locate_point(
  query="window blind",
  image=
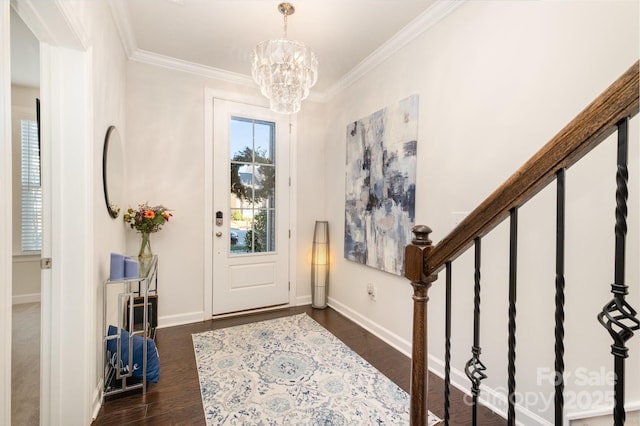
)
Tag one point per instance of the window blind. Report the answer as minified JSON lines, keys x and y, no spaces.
{"x":31,"y":206}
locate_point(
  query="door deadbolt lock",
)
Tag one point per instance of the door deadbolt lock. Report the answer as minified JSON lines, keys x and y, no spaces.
{"x":218,"y":218}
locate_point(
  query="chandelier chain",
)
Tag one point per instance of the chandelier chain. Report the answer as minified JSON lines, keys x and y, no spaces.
{"x":285,"y":25}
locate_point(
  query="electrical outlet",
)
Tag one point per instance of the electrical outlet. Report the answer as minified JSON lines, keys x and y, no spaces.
{"x":371,"y":291}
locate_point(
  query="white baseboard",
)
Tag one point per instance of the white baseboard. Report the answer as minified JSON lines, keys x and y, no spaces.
{"x":497,"y":402}
{"x":489,"y":397}
{"x":96,"y":401}
{"x":191,"y":317}
{"x":303,"y":300}
{"x":181,"y":319}
{"x":387,"y":336}
{"x":604,"y":416}
{"x":25,"y":298}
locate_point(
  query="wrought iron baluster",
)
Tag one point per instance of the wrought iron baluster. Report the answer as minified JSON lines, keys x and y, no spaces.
{"x":474,"y":368}
{"x":447,"y":345}
{"x":511,"y":368}
{"x":617,"y":316}
{"x":560,"y":285}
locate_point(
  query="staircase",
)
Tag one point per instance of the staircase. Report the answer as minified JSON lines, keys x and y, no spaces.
{"x":607,"y":115}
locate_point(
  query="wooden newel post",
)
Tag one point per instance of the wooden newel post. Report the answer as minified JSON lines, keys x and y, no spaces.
{"x":415,"y":267}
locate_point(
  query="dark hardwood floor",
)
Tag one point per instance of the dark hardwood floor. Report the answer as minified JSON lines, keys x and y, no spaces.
{"x":175,"y":399}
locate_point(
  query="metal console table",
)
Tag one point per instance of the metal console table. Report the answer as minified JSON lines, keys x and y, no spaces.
{"x":131,"y":293}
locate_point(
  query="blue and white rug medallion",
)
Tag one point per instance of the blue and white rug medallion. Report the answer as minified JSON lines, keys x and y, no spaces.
{"x":292,"y":371}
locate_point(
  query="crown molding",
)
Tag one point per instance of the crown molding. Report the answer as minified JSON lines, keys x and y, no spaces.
{"x":123,"y":25}
{"x":200,"y":70}
{"x":53,"y":22}
{"x":128,"y":39}
{"x":190,"y":67}
{"x":74,"y":23}
{"x":434,"y":14}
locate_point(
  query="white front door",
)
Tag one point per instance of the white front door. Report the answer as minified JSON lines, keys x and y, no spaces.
{"x":250,"y":207}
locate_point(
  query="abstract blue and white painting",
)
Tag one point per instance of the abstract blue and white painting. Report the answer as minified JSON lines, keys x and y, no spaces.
{"x":381,"y":186}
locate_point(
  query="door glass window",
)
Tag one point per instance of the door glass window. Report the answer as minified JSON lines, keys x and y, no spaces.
{"x":253,"y":183}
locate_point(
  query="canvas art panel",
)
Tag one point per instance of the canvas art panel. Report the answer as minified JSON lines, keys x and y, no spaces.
{"x":381,"y":186}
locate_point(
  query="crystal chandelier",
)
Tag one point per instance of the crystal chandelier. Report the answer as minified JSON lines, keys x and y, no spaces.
{"x":284,"y":69}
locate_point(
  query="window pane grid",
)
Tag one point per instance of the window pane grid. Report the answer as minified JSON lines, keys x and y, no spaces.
{"x":252,"y":208}
{"x":31,"y":191}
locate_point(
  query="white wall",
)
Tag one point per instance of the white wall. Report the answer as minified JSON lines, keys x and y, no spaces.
{"x":631,"y":419}
{"x":496,"y":81}
{"x":165,"y":166}
{"x":165,"y":163}
{"x":109,"y":87}
{"x":83,"y":63}
{"x":311,"y":190}
{"x":6,"y":251}
{"x":23,"y":107}
{"x":26,"y":268}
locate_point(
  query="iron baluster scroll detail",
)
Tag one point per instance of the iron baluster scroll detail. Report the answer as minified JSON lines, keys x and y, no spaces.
{"x":474,"y":369}
{"x":415,"y":266}
{"x":617,"y":316}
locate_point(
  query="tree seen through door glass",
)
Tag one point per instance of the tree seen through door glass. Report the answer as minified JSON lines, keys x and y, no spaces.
{"x":252,"y":203}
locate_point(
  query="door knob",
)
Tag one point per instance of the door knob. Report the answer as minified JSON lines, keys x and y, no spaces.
{"x":218,"y":234}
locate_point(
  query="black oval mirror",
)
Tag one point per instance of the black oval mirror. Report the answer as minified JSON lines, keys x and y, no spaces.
{"x":113,"y":171}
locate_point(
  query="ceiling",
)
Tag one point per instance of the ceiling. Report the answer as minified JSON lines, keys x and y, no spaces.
{"x":215,"y":37}
{"x":25,"y":54}
{"x":219,"y":35}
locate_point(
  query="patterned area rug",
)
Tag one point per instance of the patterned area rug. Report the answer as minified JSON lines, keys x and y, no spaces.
{"x":292,"y":371}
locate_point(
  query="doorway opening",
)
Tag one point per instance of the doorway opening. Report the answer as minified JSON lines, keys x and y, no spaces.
{"x":27,"y":224}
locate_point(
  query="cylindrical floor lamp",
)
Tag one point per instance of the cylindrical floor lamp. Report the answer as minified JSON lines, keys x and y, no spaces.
{"x":320,"y":265}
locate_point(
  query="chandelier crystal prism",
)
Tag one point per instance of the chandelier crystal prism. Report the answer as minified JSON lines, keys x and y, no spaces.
{"x":284,"y":69}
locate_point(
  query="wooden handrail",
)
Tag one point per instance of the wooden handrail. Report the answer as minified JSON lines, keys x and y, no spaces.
{"x":593,"y":125}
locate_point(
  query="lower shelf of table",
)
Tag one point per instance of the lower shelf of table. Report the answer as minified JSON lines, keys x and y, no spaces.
{"x":114,"y":385}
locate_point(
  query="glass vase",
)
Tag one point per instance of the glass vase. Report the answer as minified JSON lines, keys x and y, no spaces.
{"x":145,"y":247}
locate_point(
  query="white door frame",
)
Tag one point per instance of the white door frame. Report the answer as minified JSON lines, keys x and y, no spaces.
{"x":209,"y":96}
{"x":6,"y":248}
{"x":68,"y":289}
{"x":67,"y":295}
